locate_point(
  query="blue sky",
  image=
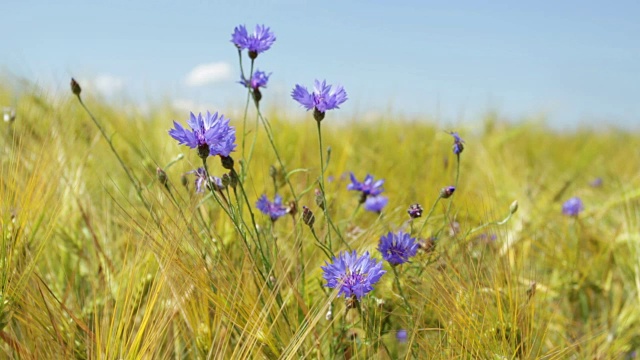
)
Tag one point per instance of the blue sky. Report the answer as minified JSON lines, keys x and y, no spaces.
{"x":574,"y":61}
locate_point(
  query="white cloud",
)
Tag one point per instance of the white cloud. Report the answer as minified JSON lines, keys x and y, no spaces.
{"x":208,"y":73}
{"x":108,"y":84}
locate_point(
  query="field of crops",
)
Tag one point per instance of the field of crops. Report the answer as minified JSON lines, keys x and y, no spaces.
{"x":127,"y":236}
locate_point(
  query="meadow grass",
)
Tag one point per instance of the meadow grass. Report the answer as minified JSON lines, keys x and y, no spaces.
{"x":99,"y":264}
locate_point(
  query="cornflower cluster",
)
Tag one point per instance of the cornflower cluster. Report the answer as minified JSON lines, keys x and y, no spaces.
{"x":210,"y":134}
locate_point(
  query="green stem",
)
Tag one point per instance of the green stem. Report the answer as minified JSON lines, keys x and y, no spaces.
{"x":322,"y":188}
{"x":244,"y":120}
{"x":322,"y":246}
{"x":397,"y":281}
{"x":267,"y":129}
{"x":454,"y":185}
{"x":426,"y":218}
{"x":406,"y":303}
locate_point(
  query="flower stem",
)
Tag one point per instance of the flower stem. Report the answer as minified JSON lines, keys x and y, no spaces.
{"x":397,"y":281}
{"x":322,"y":188}
{"x":267,"y":129}
{"x":244,"y":121}
{"x":323,"y":247}
{"x":455,"y":185}
{"x":426,"y":218}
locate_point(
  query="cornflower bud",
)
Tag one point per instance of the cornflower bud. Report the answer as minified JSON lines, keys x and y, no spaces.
{"x":227,"y":162}
{"x":75,"y":87}
{"x":415,"y":211}
{"x":446,"y":192}
{"x":319,"y":199}
{"x":162,"y":176}
{"x":307,"y":216}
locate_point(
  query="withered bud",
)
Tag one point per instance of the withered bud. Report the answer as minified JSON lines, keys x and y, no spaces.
{"x":319,"y":199}
{"x":351,"y":302}
{"x":532,"y":289}
{"x":427,"y":245}
{"x":233,"y":177}
{"x":273,"y":172}
{"x":226,"y":180}
{"x":75,"y":87}
{"x":227,"y":162}
{"x":184,"y":180}
{"x":307,"y":216}
{"x":162,"y":176}
{"x":292,"y":208}
{"x":514,"y":207}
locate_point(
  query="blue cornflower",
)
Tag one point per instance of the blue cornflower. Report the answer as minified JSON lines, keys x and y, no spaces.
{"x":258,"y":80}
{"x":457,"y":143}
{"x":597,"y":182}
{"x":210,"y":135}
{"x":572,"y":207}
{"x":375,"y":203}
{"x":368,"y":187}
{"x":353,"y":275}
{"x":201,"y":180}
{"x":402,"y":336}
{"x":259,"y":41}
{"x":397,"y":248}
{"x":274,"y":209}
{"x":322,"y":98}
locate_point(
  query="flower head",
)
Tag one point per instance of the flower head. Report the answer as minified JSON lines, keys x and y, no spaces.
{"x":415,"y":211}
{"x":397,"y":248}
{"x":201,"y":180}
{"x":274,"y":209}
{"x":572,"y":207}
{"x":376,"y":203}
{"x":258,"y":80}
{"x":211,"y":134}
{"x":597,"y":182}
{"x":368,"y":187}
{"x":457,"y":143}
{"x":322,"y":98}
{"x":353,"y":275}
{"x":401,"y":336}
{"x":259,"y":41}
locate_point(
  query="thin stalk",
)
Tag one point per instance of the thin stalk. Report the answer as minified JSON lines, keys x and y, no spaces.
{"x":247,"y":159}
{"x":322,"y":246}
{"x":406,"y":303}
{"x":267,"y":129}
{"x":397,"y":281}
{"x":426,"y":218}
{"x":133,"y":180}
{"x":455,"y":184}
{"x":234,"y":220}
{"x":324,"y":198}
